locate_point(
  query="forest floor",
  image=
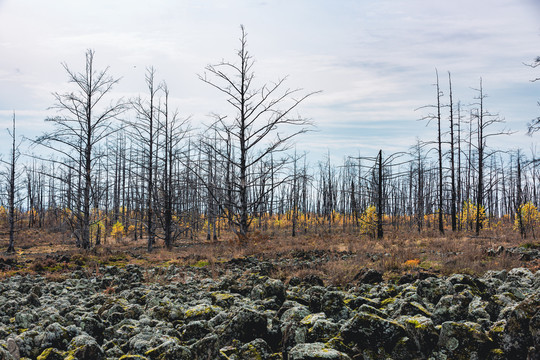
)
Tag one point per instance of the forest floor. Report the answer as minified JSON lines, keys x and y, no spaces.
{"x":334,"y":257}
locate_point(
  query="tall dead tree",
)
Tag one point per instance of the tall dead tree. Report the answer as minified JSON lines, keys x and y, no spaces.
{"x":145,"y":132}
{"x":437,"y":117}
{"x":534,"y":125}
{"x":453,"y":197}
{"x":11,"y":178}
{"x":484,"y":121}
{"x":82,"y":124}
{"x":263,"y":125}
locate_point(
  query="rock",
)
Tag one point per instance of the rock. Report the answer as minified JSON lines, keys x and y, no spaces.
{"x":169,"y":350}
{"x":368,"y":276}
{"x":206,"y":348}
{"x":322,"y":330}
{"x":432,"y":289}
{"x":254,"y":350}
{"x":518,"y":334}
{"x":195,"y":330}
{"x":333,"y":306}
{"x":315,"y":351}
{"x":55,"y":336}
{"x":201,"y":312}
{"x":422,"y":332}
{"x":51,"y":354}
{"x":451,"y":308}
{"x":246,"y":325}
{"x":404,"y":307}
{"x":93,"y":325}
{"x":370,"y":331}
{"x":464,"y":340}
{"x":13,"y":349}
{"x":33,"y":300}
{"x":85,"y":347}
{"x":312,"y":280}
{"x":271,"y":288}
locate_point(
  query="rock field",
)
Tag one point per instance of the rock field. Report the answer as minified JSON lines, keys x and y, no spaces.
{"x":239,"y":312}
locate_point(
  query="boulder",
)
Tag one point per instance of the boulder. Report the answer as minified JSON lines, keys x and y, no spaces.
{"x":464,"y":340}
{"x":315,"y":351}
{"x":245,"y":326}
{"x":368,"y":276}
{"x":85,"y":347}
{"x":369,"y":331}
{"x":423,"y":333}
{"x":521,"y":331}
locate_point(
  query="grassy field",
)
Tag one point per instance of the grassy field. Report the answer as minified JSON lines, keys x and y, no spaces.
{"x":344,"y":253}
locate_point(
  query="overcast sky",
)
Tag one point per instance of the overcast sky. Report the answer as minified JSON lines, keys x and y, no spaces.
{"x":374,"y":61}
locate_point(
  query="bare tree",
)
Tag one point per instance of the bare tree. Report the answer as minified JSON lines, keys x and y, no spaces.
{"x":437,"y":117}
{"x":534,"y":125}
{"x":484,"y":121}
{"x":11,"y":178}
{"x":81,"y":126}
{"x":261,"y":127}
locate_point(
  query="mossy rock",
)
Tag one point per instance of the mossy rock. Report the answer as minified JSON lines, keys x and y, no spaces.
{"x":201,"y":312}
{"x":315,"y":351}
{"x":369,"y":331}
{"x":422,"y":332}
{"x":518,"y":334}
{"x":51,"y":354}
{"x":464,"y":340}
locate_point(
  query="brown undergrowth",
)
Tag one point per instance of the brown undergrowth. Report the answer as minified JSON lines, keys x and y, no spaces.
{"x":337,"y":257}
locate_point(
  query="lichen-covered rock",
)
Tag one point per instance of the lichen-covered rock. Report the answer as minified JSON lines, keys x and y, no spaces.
{"x":333,"y":305}
{"x":451,"y":308}
{"x":12,"y":348}
{"x":315,"y":351}
{"x":368,"y":276}
{"x":195,"y":330}
{"x":432,"y":289}
{"x":93,"y":325}
{"x":246,"y":325}
{"x":404,"y":307}
{"x":51,"y":354}
{"x":422,"y":331}
{"x":5,"y":355}
{"x":201,"y":312}
{"x":254,"y":350}
{"x":85,"y":347}
{"x":371,"y":331}
{"x":464,"y":340}
{"x":322,"y":330}
{"x":518,"y":334}
{"x":206,"y":348}
{"x":169,"y":350}
{"x":244,"y":315}
{"x":271,"y":288}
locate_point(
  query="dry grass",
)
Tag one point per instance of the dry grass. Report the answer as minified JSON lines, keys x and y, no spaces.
{"x":397,"y":253}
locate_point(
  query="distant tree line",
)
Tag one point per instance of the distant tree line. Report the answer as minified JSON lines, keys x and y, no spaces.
{"x":136,"y":168}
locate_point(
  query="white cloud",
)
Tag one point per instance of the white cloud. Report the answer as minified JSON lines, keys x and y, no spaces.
{"x":374,"y":60}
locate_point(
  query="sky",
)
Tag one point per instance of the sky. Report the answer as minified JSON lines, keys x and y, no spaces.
{"x":373,"y":61}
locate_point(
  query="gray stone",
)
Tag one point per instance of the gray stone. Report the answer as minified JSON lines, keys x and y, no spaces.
{"x":464,"y":340}
{"x":371,"y":331}
{"x":85,"y":347}
{"x":315,"y":351}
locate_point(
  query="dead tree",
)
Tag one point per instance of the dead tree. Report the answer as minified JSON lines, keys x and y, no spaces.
{"x":534,"y":125}
{"x":437,"y":117}
{"x":145,"y":132}
{"x":263,"y":125}
{"x":484,"y":121}
{"x":11,"y":178}
{"x":79,"y":129}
